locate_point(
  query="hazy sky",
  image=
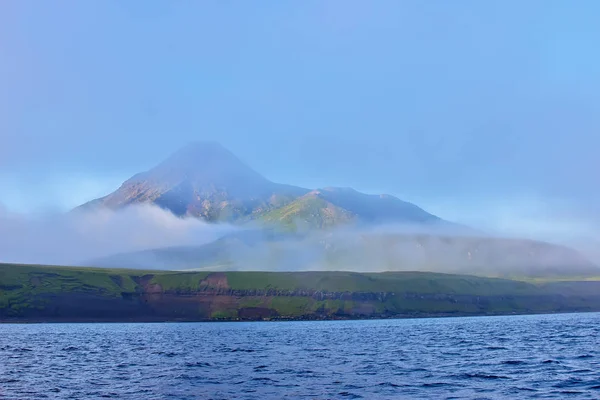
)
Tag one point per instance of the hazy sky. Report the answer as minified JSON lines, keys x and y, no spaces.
{"x":486,"y":112}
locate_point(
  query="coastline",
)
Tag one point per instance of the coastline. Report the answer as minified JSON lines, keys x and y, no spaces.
{"x":49,"y":294}
{"x":275,"y":320}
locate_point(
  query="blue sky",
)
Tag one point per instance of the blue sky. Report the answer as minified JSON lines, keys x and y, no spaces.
{"x":483,"y":112}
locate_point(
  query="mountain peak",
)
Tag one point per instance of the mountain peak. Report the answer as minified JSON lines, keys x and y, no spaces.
{"x":205,"y":163}
{"x":201,"y":147}
{"x":200,"y":155}
{"x":202,"y":179}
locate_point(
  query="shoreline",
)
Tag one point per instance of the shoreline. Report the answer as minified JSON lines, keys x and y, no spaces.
{"x":38,"y":294}
{"x":276,"y":320}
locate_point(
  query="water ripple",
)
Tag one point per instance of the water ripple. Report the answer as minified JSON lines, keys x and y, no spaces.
{"x":551,"y":356}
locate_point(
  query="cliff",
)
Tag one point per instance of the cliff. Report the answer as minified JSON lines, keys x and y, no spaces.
{"x":43,"y":293}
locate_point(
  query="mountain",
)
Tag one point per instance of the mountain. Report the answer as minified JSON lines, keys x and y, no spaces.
{"x":207,"y":181}
{"x":324,"y":229}
{"x":328,"y":207}
{"x":203,"y":180}
{"x":365,"y":250}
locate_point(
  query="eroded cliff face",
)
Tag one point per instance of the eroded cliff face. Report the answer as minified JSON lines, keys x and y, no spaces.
{"x":213,"y":298}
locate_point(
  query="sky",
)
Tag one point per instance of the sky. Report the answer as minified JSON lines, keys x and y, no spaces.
{"x":486,"y":113}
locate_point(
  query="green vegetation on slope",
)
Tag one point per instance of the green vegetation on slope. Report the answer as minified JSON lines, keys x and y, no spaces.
{"x":27,"y":285}
{"x":308,"y":212}
{"x":69,"y":293}
{"x":393,"y":282}
{"x":179,"y":281}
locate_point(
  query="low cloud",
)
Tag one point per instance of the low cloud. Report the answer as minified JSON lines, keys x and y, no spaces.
{"x":366,"y":249}
{"x":86,"y":238}
{"x":555,"y":220}
{"x":74,"y":238}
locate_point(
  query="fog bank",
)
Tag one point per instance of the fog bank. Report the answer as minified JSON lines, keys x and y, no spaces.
{"x":70,"y":239}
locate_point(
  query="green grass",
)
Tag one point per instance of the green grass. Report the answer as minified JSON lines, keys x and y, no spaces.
{"x":46,"y":279}
{"x":179,"y":281}
{"x":32,"y":287}
{"x":50,"y":279}
{"x":224,"y":314}
{"x":417,"y":282}
{"x":292,"y":306}
{"x":26,"y":286}
{"x":251,"y":302}
{"x":308,"y":211}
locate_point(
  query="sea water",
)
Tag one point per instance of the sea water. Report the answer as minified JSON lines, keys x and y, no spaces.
{"x":538,"y":356}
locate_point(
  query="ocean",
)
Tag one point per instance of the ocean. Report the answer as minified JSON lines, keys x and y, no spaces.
{"x":508,"y":357}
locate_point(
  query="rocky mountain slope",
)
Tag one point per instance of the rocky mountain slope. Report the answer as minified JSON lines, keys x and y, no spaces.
{"x":202,"y":180}
{"x":207,"y":181}
{"x":328,"y":207}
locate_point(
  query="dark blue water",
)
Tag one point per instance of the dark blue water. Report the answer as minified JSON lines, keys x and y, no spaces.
{"x":549,"y":356}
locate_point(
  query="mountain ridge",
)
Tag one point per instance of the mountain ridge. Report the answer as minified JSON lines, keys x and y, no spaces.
{"x":207,"y":181}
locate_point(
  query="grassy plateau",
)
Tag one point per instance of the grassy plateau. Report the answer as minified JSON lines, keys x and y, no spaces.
{"x":53,"y":293}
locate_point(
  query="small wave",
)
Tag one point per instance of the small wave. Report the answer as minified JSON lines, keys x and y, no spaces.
{"x":583,"y":356}
{"x":286,"y":385}
{"x":165,"y":353}
{"x":436,"y":385}
{"x":240,"y":350}
{"x":264,"y":379}
{"x":419,"y":369}
{"x":125,"y":365}
{"x":513,"y":362}
{"x":305,"y":372}
{"x":187,"y":377}
{"x":101,"y":395}
{"x":350,"y":395}
{"x":109,"y":395}
{"x":571,"y":382}
{"x":353,"y":387}
{"x":480,"y":376}
{"x":22,"y":350}
{"x":197,"y":364}
{"x":389,"y":384}
{"x":316,"y":350}
{"x":285,"y":371}
{"x":526,"y":389}
{"x":99,"y":383}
